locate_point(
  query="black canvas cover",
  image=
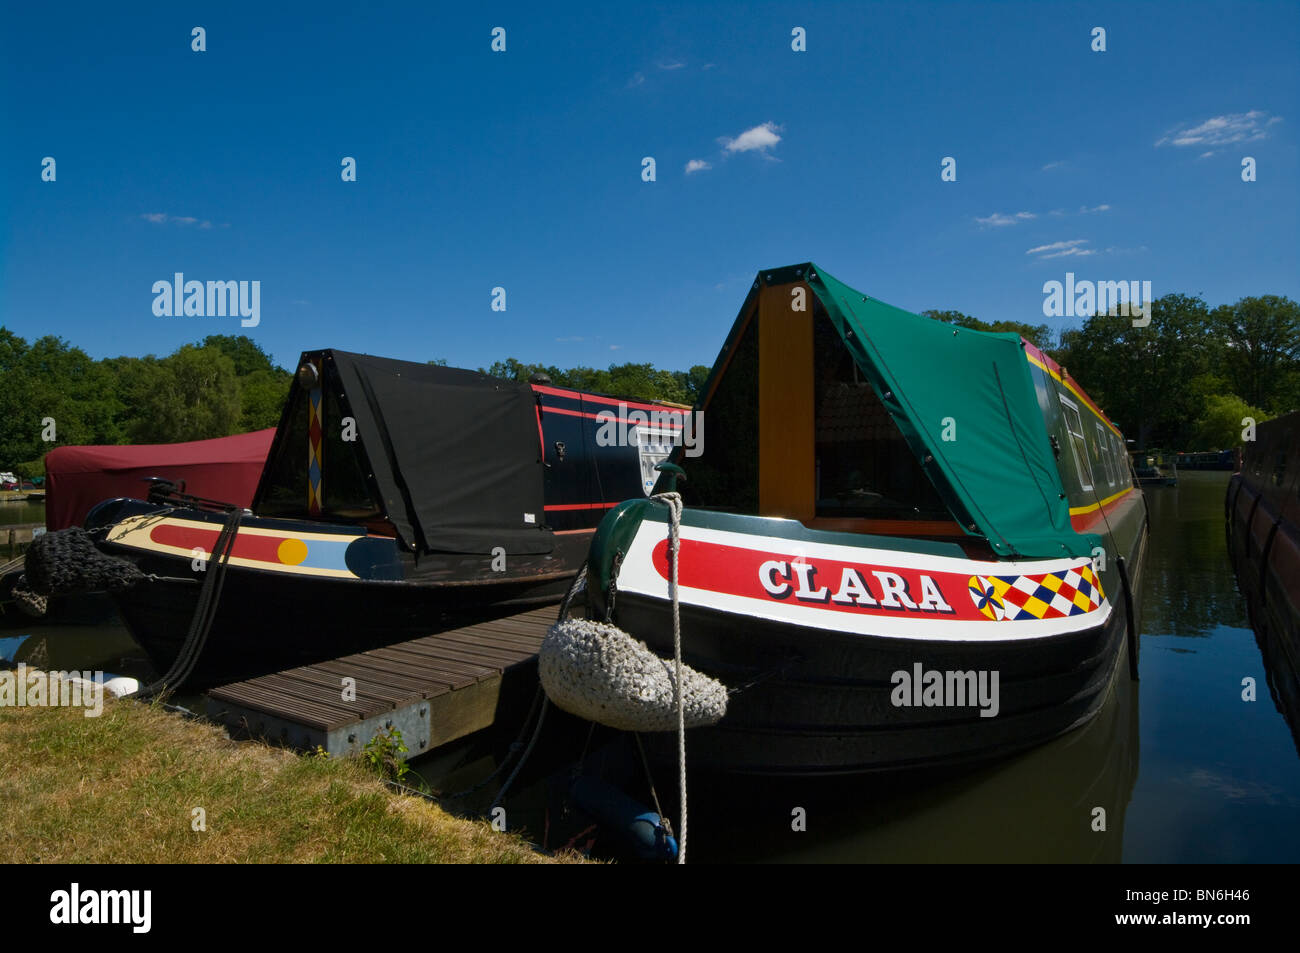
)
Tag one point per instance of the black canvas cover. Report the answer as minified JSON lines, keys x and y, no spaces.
{"x":456,"y":454}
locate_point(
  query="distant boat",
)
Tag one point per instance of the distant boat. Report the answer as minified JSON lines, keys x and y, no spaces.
{"x":394,"y":494}
{"x":905,"y":543}
{"x":1154,"y":476}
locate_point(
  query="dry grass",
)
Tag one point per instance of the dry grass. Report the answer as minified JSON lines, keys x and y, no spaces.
{"x":121,"y":788}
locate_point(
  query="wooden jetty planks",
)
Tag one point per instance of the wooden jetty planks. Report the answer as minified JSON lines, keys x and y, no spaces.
{"x":435,"y":689}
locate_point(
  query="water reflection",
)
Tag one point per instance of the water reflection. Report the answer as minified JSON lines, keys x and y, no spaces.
{"x":1189,"y":589}
{"x":106,"y":648}
{"x":1047,"y":805}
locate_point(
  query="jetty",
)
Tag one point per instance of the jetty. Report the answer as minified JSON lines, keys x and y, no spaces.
{"x":435,"y":690}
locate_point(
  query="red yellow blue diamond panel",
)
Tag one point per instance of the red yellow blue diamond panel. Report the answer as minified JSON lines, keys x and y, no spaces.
{"x":1049,"y":595}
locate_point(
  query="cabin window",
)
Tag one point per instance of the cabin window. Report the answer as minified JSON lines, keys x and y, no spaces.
{"x":864,"y":466}
{"x":345,"y":475}
{"x":1078,"y":443}
{"x":1104,"y":451}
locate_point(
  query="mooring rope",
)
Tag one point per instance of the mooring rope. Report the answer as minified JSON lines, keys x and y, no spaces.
{"x":674,"y":503}
{"x":574,"y":588}
{"x":205,"y":612}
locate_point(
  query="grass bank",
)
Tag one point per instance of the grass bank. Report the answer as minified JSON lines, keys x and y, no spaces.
{"x":123,"y":788}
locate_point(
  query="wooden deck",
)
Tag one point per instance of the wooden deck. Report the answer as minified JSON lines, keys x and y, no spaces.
{"x":434,"y":689}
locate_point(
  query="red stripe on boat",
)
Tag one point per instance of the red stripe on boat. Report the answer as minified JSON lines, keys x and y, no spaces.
{"x":735,"y":571}
{"x":260,"y":548}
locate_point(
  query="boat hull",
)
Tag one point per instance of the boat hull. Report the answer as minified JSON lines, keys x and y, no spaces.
{"x":825,"y":703}
{"x":268,"y":625}
{"x":294,"y":612}
{"x":830,"y":673}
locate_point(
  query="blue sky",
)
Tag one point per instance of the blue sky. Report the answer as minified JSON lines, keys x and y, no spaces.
{"x":522,"y":169}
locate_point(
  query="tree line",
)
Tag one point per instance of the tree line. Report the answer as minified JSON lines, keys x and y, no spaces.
{"x":1183,"y":381}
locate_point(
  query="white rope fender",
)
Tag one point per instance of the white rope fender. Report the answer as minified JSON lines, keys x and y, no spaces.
{"x":599,"y":672}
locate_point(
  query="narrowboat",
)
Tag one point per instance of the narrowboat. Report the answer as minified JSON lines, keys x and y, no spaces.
{"x":394,"y":496}
{"x":1150,"y":473}
{"x":1262,"y":515}
{"x":902,"y":544}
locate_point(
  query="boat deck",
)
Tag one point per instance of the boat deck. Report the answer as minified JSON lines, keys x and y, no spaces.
{"x":435,"y":689}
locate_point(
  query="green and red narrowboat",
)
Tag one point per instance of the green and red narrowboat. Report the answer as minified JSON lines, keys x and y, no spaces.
{"x":903,"y":543}
{"x":394,"y":494}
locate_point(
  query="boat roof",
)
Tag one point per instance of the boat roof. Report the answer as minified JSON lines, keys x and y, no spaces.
{"x":452,"y":455}
{"x":996,"y":469}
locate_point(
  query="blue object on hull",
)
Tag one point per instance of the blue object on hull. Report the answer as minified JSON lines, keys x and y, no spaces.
{"x":638,"y":830}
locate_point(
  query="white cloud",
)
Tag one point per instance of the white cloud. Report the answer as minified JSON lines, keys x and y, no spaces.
{"x":997,"y":219}
{"x":1084,"y":210}
{"x":1069,"y":249}
{"x":616,"y":347}
{"x":758,"y":139}
{"x":1222,"y":130}
{"x":697,"y":165}
{"x":1054,"y":165}
{"x":1206,"y":155}
{"x":162,"y":218}
{"x":636,"y":80}
{"x":671,"y":66}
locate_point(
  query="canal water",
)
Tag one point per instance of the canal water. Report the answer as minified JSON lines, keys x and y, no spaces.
{"x":1178,"y":767}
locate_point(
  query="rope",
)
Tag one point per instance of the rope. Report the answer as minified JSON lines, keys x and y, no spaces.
{"x":205,"y":612}
{"x":515,"y":747}
{"x":674,"y":503}
{"x":578,"y":581}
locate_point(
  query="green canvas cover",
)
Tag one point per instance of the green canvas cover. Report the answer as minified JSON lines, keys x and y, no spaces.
{"x":998,"y":475}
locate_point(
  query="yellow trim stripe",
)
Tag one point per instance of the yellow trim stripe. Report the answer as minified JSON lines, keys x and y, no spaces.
{"x":1086,"y":401}
{"x":1080,"y":510}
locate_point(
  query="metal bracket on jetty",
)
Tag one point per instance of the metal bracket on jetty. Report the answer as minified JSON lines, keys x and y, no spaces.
{"x":435,"y":690}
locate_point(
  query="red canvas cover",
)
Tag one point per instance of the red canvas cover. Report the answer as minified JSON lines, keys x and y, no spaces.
{"x":76,"y":478}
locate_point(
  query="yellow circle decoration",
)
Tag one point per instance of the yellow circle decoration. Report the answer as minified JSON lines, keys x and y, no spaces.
{"x":291,"y":552}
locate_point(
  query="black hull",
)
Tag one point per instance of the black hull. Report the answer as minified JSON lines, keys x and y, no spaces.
{"x":822,"y":703}
{"x":268,"y":621}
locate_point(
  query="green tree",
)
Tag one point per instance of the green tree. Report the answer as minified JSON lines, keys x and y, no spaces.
{"x":49,"y":387}
{"x":1039,"y":335}
{"x":1220,"y":424}
{"x":246,"y":354}
{"x":1262,"y":338}
{"x":1143,"y":377}
{"x":195,"y":397}
{"x":262,"y":395}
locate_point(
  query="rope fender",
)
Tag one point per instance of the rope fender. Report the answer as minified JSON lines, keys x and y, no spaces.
{"x":67,"y":561}
{"x":598,"y":672}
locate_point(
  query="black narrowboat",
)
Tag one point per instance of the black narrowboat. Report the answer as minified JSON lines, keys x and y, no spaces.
{"x":395,"y":497}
